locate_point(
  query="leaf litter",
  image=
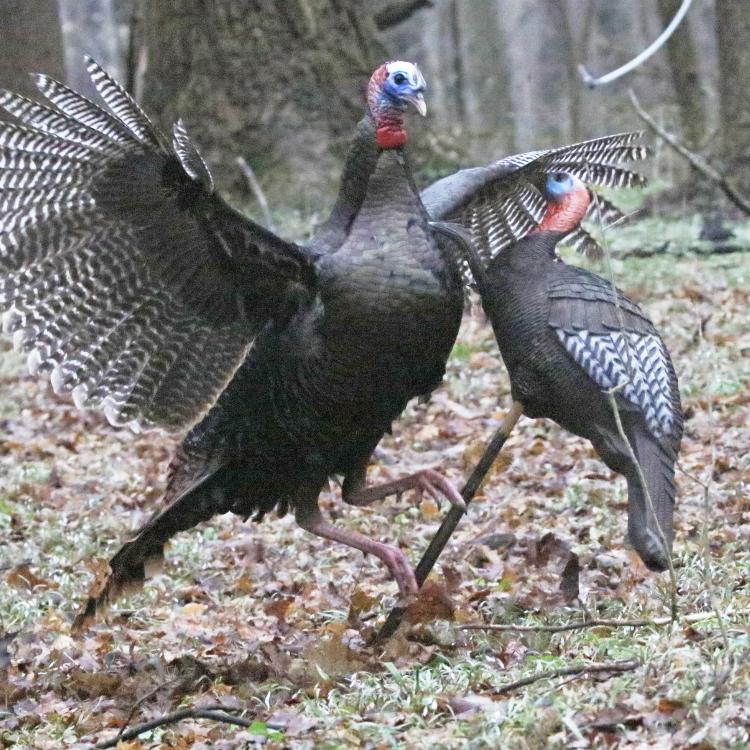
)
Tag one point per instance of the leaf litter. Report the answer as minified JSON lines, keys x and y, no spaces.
{"x":267,"y":620}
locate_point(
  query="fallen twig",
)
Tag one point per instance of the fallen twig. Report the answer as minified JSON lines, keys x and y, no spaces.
{"x":592,"y":623}
{"x":614,"y":666}
{"x":697,"y":162}
{"x":571,"y":625}
{"x":256,"y":190}
{"x":140,"y":702}
{"x":724,"y":248}
{"x":213,"y":713}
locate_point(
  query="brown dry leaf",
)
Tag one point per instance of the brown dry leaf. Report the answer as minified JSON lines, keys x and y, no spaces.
{"x":332,"y":656}
{"x":245,"y":584}
{"x":92,"y":684}
{"x":21,"y":577}
{"x":361,"y":602}
{"x":669,"y":705}
{"x":279,"y":608}
{"x":569,"y":578}
{"x":99,"y":566}
{"x":475,"y":451}
{"x":429,"y":509}
{"x":193,"y":609}
{"x":433,"y":602}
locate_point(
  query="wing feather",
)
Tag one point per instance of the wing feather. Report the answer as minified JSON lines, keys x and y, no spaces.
{"x":617,"y":346}
{"x":121,"y":272}
{"x":502,"y":202}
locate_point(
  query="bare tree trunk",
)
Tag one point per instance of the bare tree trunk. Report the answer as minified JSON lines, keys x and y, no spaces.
{"x":733,"y":33}
{"x":89,"y":28}
{"x":32,"y":43}
{"x":484,"y":78}
{"x":280,"y":84}
{"x":457,"y":62}
{"x":682,"y":58}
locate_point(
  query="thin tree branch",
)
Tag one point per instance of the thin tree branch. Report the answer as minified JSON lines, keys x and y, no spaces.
{"x":639,"y":59}
{"x":454,"y":515}
{"x":140,"y":702}
{"x":725,"y":248}
{"x":613,"y":666}
{"x":593,"y":623}
{"x":213,"y":713}
{"x":696,"y":162}
{"x":256,"y":190}
{"x":397,"y":13}
{"x":583,"y":624}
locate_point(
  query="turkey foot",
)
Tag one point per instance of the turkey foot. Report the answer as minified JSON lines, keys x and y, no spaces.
{"x":312,"y":520}
{"x":427,"y":480}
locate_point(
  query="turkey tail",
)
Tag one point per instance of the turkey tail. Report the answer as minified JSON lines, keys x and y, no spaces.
{"x":657,"y":465}
{"x":143,"y":555}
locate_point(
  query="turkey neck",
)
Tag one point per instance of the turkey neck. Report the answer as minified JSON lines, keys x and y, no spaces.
{"x":361,"y":160}
{"x":392,"y":296}
{"x":516,"y":302}
{"x":533,"y":251}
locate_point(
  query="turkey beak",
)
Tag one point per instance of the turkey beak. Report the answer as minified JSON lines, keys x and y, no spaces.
{"x":417,"y":99}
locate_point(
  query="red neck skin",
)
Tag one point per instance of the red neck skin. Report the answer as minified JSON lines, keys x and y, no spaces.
{"x":390,"y":131}
{"x":565,"y":215}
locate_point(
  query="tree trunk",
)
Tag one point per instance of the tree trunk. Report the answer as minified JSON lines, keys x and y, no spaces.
{"x":89,"y":28}
{"x":682,"y":58}
{"x":483,"y":78}
{"x":280,"y":84}
{"x":733,"y":33}
{"x":32,"y":43}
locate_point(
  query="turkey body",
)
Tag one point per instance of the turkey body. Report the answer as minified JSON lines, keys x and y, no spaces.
{"x":565,"y":342}
{"x":317,"y":392}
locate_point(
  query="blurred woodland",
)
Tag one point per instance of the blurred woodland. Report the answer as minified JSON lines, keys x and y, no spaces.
{"x":280,"y":83}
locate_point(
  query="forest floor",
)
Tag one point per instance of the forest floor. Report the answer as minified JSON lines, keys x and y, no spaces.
{"x":272,"y":623}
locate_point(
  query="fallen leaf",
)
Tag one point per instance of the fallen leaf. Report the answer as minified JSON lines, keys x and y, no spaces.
{"x":21,"y":577}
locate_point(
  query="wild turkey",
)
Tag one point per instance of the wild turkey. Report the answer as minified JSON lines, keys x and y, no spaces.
{"x":143,"y":293}
{"x":566,"y":339}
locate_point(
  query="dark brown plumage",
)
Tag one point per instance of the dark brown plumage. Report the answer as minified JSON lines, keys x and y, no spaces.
{"x":566,"y":338}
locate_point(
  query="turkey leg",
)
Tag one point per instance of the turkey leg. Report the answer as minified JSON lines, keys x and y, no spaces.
{"x":309,"y":517}
{"x":427,"y":480}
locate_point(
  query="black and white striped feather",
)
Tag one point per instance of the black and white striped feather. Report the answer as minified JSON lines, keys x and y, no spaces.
{"x":617,"y":346}
{"x":121,"y":273}
{"x":503,"y":202}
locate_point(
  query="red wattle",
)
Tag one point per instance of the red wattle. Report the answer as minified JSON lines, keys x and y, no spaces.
{"x":390,"y":136}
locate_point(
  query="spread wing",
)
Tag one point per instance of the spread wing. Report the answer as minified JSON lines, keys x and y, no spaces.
{"x":501,"y":203}
{"x":121,"y":271}
{"x":617,"y":345}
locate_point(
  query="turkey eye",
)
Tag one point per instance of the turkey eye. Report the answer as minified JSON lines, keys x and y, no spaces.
{"x":399,"y":78}
{"x":558,"y":177}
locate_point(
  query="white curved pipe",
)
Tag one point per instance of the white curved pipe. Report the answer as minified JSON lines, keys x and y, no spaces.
{"x":592,"y":82}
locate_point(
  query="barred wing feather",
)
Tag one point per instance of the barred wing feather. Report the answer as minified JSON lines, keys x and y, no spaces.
{"x":121,"y":272}
{"x":502,"y":202}
{"x":618,"y":347}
